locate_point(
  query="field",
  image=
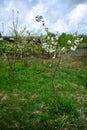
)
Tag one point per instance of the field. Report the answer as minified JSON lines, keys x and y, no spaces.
{"x":26,"y":99}
{"x":83,"y":44}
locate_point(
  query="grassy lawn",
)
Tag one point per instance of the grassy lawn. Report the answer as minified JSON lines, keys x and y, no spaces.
{"x":26,"y":99}
{"x":83,"y":44}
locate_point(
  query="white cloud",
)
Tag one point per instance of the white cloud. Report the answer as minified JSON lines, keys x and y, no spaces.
{"x":77,"y":16}
{"x":8,"y":8}
{"x":75,"y":20}
{"x":60,"y":15}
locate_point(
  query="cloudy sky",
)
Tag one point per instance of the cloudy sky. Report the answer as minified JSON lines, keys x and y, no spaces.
{"x":60,"y":15}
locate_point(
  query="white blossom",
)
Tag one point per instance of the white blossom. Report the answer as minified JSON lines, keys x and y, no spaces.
{"x":52,"y":43}
{"x":54,"y":56}
{"x":51,"y":50}
{"x":76,"y":42}
{"x":63,"y":49}
{"x":44,"y":45}
{"x":73,"y":48}
{"x":48,"y":48}
{"x":56,"y":37}
{"x":51,"y":46}
{"x":48,"y":37}
{"x":75,"y":34}
{"x":69,"y":42}
{"x":52,"y":39}
{"x":81,"y":39}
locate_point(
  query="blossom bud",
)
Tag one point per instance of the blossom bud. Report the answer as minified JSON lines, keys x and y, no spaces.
{"x":38,"y":18}
{"x":56,"y":37}
{"x":81,"y":39}
{"x":54,"y":56}
{"x":52,"y":39}
{"x":69,"y":42}
{"x":48,"y":37}
{"x":63,"y":49}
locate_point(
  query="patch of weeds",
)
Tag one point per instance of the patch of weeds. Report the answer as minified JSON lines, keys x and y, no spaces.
{"x":67,"y":106}
{"x":58,"y":123}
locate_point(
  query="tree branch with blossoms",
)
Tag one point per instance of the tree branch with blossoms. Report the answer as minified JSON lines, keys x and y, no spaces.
{"x":52,"y":46}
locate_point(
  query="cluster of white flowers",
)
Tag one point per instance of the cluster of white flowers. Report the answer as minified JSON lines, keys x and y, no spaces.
{"x":50,"y":44}
{"x":73,"y":46}
{"x":48,"y":48}
{"x":77,"y":41}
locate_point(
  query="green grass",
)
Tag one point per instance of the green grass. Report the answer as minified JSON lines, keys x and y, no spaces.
{"x":26,"y":99}
{"x":83,"y":44}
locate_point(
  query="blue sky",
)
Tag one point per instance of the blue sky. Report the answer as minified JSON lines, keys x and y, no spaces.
{"x":60,"y":15}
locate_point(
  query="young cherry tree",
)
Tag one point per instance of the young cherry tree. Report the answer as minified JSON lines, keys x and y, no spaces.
{"x":21,"y":35}
{"x":52,"y":46}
